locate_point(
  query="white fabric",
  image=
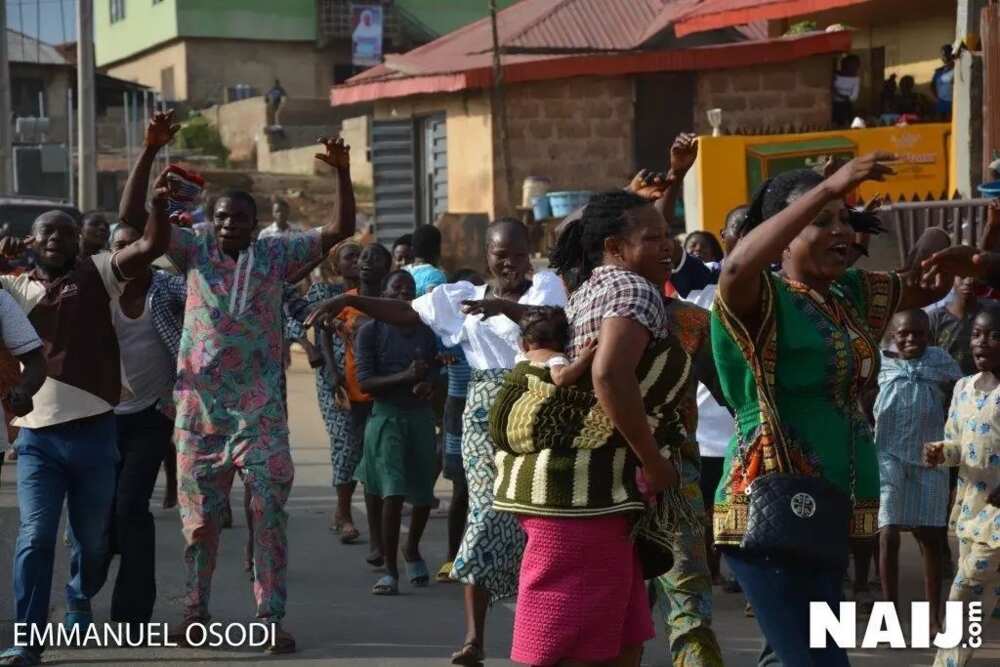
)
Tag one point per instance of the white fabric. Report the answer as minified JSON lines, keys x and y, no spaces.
{"x":147,"y":367}
{"x":551,"y":362}
{"x":715,"y":425}
{"x":487,"y":343}
{"x":272,"y":230}
{"x":20,"y":338}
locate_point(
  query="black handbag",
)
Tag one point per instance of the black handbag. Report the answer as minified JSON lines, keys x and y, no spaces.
{"x":798,"y":518}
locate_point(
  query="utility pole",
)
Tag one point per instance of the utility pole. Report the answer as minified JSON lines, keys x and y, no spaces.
{"x":85,"y":104}
{"x":5,"y":126}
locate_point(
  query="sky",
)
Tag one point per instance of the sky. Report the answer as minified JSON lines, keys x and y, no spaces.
{"x":58,"y":18}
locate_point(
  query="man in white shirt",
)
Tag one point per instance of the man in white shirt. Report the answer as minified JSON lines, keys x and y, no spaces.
{"x":24,"y":346}
{"x":280,"y":226}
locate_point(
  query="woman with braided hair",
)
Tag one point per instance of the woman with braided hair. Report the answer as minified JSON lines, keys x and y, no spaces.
{"x":582,"y":596}
{"x":794,"y":351}
{"x":483,"y":320}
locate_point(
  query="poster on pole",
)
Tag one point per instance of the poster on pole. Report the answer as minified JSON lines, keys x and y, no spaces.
{"x":366,"y":22}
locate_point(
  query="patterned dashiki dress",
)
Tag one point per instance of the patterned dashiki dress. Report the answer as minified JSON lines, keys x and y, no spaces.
{"x":909,"y":412}
{"x":345,"y":451}
{"x":814,"y":356}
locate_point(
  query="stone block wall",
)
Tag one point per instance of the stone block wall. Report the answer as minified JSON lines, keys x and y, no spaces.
{"x":578,"y":132}
{"x":795,"y":95}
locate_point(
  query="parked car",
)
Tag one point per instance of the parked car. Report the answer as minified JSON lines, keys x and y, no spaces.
{"x":20,"y":211}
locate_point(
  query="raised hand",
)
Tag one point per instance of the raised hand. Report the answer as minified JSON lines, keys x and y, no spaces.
{"x":484,"y":307}
{"x":326,"y":311}
{"x":959,"y":260}
{"x":648,"y":184}
{"x":14,"y":246}
{"x":337,"y":154}
{"x":871,"y":167}
{"x":683,"y":153}
{"x":161,"y":129}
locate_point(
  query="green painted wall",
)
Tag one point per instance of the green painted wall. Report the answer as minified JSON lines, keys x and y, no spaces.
{"x":147,"y":24}
{"x":144,"y":25}
{"x":443,"y":16}
{"x":279,"y":20}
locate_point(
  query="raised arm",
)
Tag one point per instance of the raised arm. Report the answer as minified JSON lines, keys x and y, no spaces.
{"x":338,"y":155}
{"x":390,"y":311}
{"x":134,"y":258}
{"x":740,"y":280}
{"x":918,"y":292}
{"x":990,"y":242}
{"x":159,"y":133}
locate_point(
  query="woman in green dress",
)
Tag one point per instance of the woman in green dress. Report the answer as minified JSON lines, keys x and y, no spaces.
{"x":794,"y":352}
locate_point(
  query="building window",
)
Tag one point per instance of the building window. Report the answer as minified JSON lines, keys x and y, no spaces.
{"x":117,"y":10}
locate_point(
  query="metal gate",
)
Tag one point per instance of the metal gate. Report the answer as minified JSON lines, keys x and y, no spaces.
{"x":410,"y":165}
{"x":434,"y":169}
{"x":963,"y":219}
{"x":394,"y":173}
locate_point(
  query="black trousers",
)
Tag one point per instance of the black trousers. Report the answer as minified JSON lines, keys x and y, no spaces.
{"x":143,"y":441}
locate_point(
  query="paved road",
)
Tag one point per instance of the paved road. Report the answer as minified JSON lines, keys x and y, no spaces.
{"x":331,"y":612}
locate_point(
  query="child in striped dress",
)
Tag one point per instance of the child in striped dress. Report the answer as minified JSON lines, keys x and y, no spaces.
{"x":909,"y":411}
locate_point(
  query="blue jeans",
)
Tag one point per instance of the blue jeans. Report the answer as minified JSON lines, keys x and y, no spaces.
{"x":78,"y":461}
{"x":780,"y":593}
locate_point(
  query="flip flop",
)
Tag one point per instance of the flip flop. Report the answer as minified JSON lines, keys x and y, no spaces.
{"x":387,"y":585}
{"x":375,"y":561}
{"x":443,"y":575}
{"x":418,"y":573}
{"x":349,"y":534}
{"x":471,"y":654}
{"x":20,"y":655}
{"x":284,"y":643}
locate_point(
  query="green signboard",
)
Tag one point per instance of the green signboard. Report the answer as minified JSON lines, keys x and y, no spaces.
{"x":765,"y":161}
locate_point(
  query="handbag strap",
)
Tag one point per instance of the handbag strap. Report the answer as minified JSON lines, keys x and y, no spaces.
{"x":770,"y":420}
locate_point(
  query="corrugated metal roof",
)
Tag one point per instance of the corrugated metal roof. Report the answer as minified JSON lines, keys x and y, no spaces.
{"x":23,"y":48}
{"x":595,"y":25}
{"x":714,"y":14}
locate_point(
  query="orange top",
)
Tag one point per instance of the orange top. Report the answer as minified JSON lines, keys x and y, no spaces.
{"x":351,"y":320}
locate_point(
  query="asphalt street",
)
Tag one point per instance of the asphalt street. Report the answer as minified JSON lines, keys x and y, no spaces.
{"x":331,"y":611}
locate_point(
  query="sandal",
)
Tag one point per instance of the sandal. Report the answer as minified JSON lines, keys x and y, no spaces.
{"x":20,"y":655}
{"x":375,"y":560}
{"x":284,"y":643}
{"x":348,"y":533}
{"x":387,"y":585}
{"x":471,"y":654}
{"x":443,"y":575}
{"x":418,"y":573}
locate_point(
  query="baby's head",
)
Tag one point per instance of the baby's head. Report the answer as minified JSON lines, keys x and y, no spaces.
{"x":986,"y":339}
{"x":911,"y":331}
{"x":544,"y":328}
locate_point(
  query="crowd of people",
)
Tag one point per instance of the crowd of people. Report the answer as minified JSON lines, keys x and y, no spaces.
{"x":615,"y":428}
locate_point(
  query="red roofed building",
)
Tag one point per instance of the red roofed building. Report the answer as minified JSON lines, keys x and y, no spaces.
{"x":593,"y":90}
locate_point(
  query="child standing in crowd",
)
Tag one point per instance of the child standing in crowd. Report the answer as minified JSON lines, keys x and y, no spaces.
{"x":971,"y":444}
{"x":230,"y":379}
{"x":909,"y":411}
{"x":544,"y":336}
{"x":402,"y":252}
{"x":399,"y":462}
{"x":426,"y":255}
{"x":331,"y":394}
